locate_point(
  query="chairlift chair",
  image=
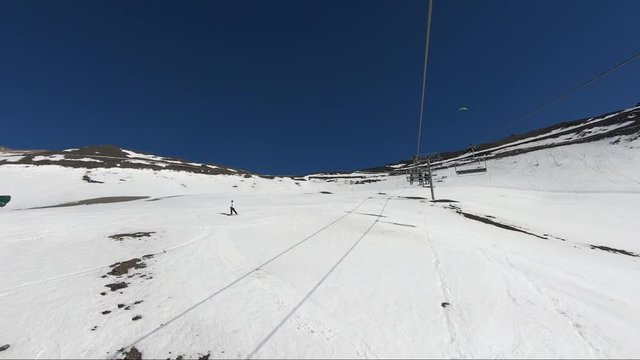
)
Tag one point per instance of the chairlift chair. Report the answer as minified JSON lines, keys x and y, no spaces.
{"x":475,"y":166}
{"x":418,"y":174}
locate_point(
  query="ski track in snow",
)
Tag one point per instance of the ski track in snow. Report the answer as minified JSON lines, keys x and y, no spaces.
{"x":238,"y":280}
{"x":572,"y":318}
{"x":518,"y":302}
{"x":322,"y":280}
{"x":447,"y":296}
{"x":502,"y":260}
{"x":308,"y":323}
{"x":9,"y":291}
{"x":331,"y":282}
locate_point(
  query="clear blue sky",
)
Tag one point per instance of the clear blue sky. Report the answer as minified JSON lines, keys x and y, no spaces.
{"x":292,"y":87}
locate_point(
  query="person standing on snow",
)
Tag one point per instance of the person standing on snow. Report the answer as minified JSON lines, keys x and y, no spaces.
{"x":233,"y":210}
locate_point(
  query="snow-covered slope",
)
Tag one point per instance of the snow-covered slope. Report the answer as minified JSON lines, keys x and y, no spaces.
{"x":538,"y":257}
{"x":616,"y":126}
{"x":107,"y":156}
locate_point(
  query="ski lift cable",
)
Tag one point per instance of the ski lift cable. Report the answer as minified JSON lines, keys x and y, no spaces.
{"x":577,"y":88}
{"x":247,"y":274}
{"x":424,"y":74}
{"x":509,"y":125}
{"x":319,"y":283}
{"x":539,"y":109}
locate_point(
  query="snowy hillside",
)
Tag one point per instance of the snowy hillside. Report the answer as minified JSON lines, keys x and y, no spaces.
{"x":614,"y":127}
{"x":537,"y":257}
{"x":95,"y":157}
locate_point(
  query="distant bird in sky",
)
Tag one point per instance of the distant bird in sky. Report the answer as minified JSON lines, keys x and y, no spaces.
{"x":463,"y":108}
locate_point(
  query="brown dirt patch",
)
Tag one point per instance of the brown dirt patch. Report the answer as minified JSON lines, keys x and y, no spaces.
{"x":100,"y":200}
{"x":90,"y":180}
{"x":135,"y":235}
{"x":117,"y":286}
{"x":133,"y":354}
{"x":122,"y":268}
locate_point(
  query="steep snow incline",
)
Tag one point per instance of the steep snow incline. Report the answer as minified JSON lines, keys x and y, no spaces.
{"x":614,"y":126}
{"x":611,"y":165}
{"x":538,"y":257}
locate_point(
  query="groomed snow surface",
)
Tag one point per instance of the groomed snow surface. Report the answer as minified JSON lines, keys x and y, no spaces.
{"x":536,"y":258}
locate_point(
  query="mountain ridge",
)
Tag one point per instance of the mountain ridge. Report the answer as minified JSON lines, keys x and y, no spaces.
{"x":619,"y":123}
{"x":609,"y":125}
{"x":110,"y":156}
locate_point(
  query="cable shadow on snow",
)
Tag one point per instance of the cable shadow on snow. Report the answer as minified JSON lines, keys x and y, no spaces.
{"x":181,"y":314}
{"x":306,"y":297}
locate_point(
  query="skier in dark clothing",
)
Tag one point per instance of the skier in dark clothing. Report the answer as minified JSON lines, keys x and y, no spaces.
{"x":233,"y":210}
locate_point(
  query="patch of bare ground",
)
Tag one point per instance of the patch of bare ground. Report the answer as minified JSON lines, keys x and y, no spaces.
{"x":90,"y":180}
{"x":122,"y":268}
{"x":135,"y":235}
{"x":132,"y":354}
{"x":116,"y":286}
{"x":94,"y":201}
{"x":613,"y":250}
{"x":488,"y":221}
{"x":367,"y":181}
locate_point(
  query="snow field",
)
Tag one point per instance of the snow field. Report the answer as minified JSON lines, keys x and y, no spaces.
{"x":371,"y":270}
